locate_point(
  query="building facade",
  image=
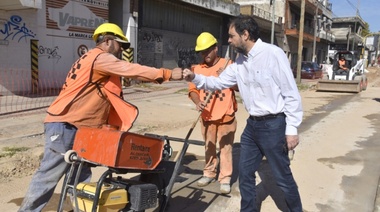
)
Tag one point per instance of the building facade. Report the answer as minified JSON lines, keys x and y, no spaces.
{"x":317,"y":35}
{"x":40,"y":39}
{"x":167,"y":30}
{"x":347,"y":31}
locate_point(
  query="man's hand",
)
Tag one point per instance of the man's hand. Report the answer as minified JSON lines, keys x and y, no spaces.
{"x":200,"y":106}
{"x":188,"y":75}
{"x":292,"y":141}
{"x":176,"y":74}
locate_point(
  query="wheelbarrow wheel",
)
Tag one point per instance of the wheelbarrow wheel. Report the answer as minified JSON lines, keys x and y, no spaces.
{"x":71,"y":156}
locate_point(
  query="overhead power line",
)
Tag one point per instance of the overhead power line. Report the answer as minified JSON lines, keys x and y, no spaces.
{"x":356,"y":9}
{"x":352,"y":5}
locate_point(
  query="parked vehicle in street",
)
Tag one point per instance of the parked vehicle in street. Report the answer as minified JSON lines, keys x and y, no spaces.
{"x":309,"y":70}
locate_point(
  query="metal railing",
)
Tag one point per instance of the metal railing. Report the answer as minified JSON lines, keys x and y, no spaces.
{"x":306,"y":29}
{"x":16,"y":94}
{"x":18,"y":97}
{"x":265,"y":15}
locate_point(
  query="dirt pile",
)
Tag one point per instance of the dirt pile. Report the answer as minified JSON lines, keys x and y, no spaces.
{"x":19,"y":165}
{"x":373,"y":75}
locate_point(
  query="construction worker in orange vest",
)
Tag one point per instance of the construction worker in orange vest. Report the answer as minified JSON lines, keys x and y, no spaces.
{"x":218,"y":123}
{"x":90,"y":97}
{"x":342,"y":63}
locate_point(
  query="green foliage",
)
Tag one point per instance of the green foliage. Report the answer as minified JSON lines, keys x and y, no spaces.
{"x":365,"y":30}
{"x":10,"y":151}
{"x":303,"y":87}
{"x":182,"y":91}
{"x":143,"y":85}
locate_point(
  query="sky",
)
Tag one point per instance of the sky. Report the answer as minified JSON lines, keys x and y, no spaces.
{"x":369,"y":11}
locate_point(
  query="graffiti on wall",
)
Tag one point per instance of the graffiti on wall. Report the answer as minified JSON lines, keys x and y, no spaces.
{"x":187,"y":57}
{"x":15,"y":29}
{"x":157,"y":48}
{"x":150,"y":49}
{"x":154,"y":41}
{"x":152,"y":37}
{"x":50,"y":53}
{"x":170,"y":47}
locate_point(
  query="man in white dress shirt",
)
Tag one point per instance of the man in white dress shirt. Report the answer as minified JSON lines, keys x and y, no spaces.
{"x":270,"y":95}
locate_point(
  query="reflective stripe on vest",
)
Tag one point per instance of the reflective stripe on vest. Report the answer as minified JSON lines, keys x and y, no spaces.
{"x":221,"y":102}
{"x":122,"y":113}
{"x":77,"y":80}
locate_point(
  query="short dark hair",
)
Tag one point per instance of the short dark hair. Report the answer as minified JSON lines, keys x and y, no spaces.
{"x":246,"y":22}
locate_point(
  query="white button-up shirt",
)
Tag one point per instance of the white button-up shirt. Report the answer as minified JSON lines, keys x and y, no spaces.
{"x":266,"y":84}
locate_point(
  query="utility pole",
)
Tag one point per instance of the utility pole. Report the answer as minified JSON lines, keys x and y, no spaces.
{"x":355,"y":30}
{"x":354,"y":37}
{"x":376,"y":36}
{"x":300,"y":41}
{"x":377,"y":49}
{"x":315,"y":30}
{"x":273,"y":18}
{"x":348,"y":38}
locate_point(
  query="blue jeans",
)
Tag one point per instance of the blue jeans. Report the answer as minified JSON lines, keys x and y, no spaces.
{"x":259,"y":138}
{"x":59,"y":138}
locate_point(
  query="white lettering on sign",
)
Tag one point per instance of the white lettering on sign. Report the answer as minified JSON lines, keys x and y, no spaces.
{"x":95,"y":3}
{"x":67,"y":19}
{"x":79,"y":35}
{"x":76,"y":15}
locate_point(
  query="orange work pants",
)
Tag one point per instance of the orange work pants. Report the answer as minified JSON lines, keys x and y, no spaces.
{"x":223,"y":134}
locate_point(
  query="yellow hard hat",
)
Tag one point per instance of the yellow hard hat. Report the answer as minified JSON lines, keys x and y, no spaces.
{"x":109,"y":28}
{"x":204,"y":41}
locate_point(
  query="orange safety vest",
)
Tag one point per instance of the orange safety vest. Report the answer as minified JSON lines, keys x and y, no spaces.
{"x":79,"y":80}
{"x":221,"y":102}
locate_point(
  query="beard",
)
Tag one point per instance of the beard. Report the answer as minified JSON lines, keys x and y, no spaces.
{"x":116,"y":52}
{"x":240,"y":49}
{"x":118,"y":55}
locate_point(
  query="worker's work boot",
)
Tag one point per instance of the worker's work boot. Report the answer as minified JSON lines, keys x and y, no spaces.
{"x":205,"y":181}
{"x":225,"y":188}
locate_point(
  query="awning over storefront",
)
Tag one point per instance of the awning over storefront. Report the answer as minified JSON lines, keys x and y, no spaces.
{"x":20,"y":4}
{"x":341,"y":33}
{"x":344,"y":34}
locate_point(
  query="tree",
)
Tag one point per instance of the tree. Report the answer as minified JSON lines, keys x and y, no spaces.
{"x":365,"y":30}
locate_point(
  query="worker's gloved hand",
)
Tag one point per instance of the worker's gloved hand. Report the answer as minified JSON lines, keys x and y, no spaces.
{"x":188,"y":75}
{"x":177,"y":74}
